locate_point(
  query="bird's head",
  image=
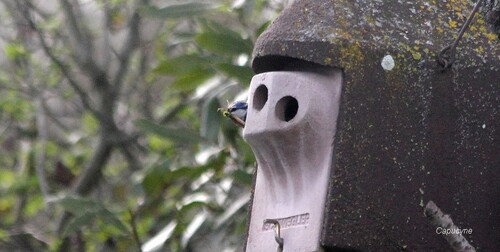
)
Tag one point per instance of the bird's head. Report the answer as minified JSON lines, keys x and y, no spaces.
{"x":237,"y":112}
{"x":238,"y":109}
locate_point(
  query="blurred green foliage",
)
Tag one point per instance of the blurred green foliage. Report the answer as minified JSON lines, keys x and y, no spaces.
{"x":192,"y":187}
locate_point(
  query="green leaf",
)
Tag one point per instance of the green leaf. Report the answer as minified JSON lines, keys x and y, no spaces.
{"x":85,"y":219}
{"x":153,"y":182}
{"x":89,"y":217}
{"x":112,"y":219}
{"x":262,"y":28}
{"x":192,"y":79}
{"x":223,"y":41}
{"x":14,"y":51}
{"x":86,"y":212}
{"x":243,"y":177}
{"x":160,"y":176}
{"x":90,"y":123}
{"x":21,"y":241}
{"x":77,"y":206}
{"x":177,"y":135}
{"x":34,"y":205}
{"x":178,"y":10}
{"x":191,"y":205}
{"x":245,"y":153}
{"x":190,"y":71}
{"x":243,"y":74}
{"x":187,"y":172}
{"x":7,"y":179}
{"x":22,"y":184}
{"x":210,"y":120}
{"x":13,"y":104}
{"x":218,"y":163}
{"x":182,"y":65}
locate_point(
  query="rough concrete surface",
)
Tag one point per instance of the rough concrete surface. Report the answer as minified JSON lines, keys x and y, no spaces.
{"x":407,"y":132}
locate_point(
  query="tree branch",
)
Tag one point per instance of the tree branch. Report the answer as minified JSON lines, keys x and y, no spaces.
{"x":92,"y":173}
{"x":41,"y":124}
{"x":443,"y":221}
{"x":86,"y":101}
{"x":23,"y":18}
{"x":108,"y":49}
{"x":132,"y":161}
{"x":82,"y":41}
{"x":108,"y":90}
{"x":132,"y":42}
{"x":134,"y":230}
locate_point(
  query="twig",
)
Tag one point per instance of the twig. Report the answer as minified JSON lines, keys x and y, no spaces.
{"x":132,"y":42}
{"x":41,"y":124}
{"x":53,"y":118}
{"x":106,"y":37}
{"x":443,"y":222}
{"x":41,"y":115}
{"x":237,"y":120}
{"x":91,"y":173}
{"x":134,"y":231}
{"x":64,"y":69}
{"x":82,"y":39}
{"x":132,"y":161}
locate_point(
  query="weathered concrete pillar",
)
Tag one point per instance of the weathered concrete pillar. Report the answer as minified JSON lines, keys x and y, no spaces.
{"x":404,"y":132}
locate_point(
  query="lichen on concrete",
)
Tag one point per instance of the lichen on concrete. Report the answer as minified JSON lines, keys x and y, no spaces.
{"x":414,"y":29}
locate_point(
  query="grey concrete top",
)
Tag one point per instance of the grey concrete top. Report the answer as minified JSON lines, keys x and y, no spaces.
{"x":342,"y":33}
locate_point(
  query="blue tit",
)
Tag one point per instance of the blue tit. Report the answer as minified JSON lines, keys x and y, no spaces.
{"x":238,"y":109}
{"x":238,"y":112}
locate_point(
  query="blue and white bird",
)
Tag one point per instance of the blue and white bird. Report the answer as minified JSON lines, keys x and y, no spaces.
{"x":237,"y":112}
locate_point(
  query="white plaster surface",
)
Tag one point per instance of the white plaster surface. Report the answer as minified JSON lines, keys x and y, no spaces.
{"x":294,"y":157}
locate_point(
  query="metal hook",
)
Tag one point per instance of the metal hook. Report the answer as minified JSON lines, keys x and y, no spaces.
{"x":277,"y":233}
{"x":443,"y":61}
{"x":446,"y":63}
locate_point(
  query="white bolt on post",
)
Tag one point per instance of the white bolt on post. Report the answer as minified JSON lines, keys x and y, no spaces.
{"x":290,"y":126}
